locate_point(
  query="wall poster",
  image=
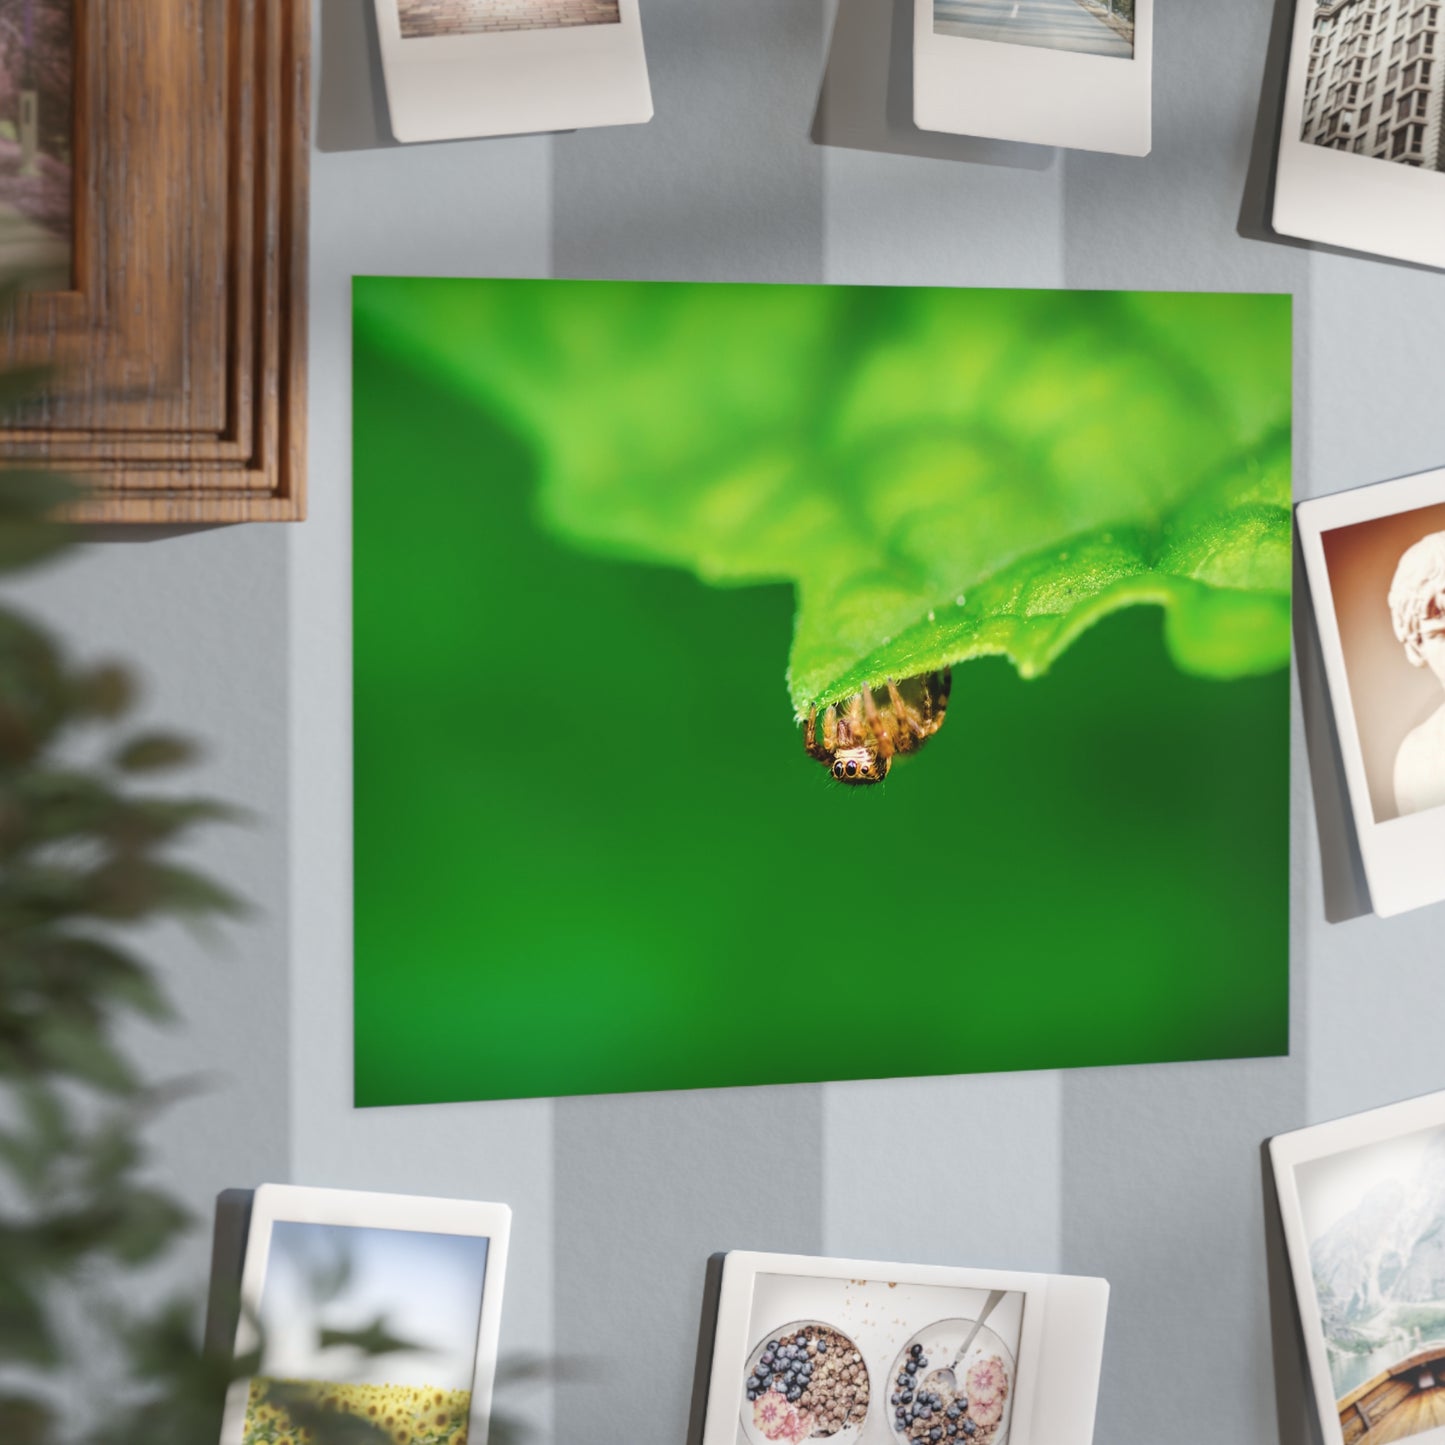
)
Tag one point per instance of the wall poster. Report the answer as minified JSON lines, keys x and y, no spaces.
{"x":767,"y":684}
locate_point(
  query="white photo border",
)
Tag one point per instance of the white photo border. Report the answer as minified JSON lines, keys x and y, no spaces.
{"x":445,"y":87}
{"x":1361,"y":203}
{"x":1060,"y":1350}
{"x":1323,"y":1141}
{"x":1030,"y":93}
{"x":1401,"y":855}
{"x":417,"y":1214}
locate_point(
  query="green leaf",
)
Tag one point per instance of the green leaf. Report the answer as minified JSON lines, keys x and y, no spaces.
{"x":68,"y":1047}
{"x":25,"y":1420}
{"x":147,"y":1223}
{"x":152,"y":752}
{"x":63,"y":965}
{"x":374,"y":1339}
{"x":26,"y":1336}
{"x":1047,"y":456}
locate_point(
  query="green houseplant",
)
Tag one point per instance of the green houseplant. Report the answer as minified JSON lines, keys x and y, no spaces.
{"x":87,"y":844}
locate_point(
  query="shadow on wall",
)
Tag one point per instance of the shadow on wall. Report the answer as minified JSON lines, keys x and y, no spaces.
{"x":1294,"y":1402}
{"x":1347,"y":895}
{"x":864,"y":104}
{"x":351,"y":113}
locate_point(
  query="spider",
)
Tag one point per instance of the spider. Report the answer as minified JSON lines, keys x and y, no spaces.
{"x":860,"y":742}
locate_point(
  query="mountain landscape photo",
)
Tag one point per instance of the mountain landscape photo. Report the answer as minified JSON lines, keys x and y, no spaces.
{"x":1379,"y":1268}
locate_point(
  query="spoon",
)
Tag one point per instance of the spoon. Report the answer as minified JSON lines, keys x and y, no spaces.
{"x":946,"y":1377}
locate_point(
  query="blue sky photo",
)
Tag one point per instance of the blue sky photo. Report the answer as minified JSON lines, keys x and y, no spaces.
{"x":428,"y":1287}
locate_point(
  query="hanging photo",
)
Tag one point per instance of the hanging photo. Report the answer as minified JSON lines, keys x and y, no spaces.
{"x":1362,"y":1201}
{"x":382,"y":1307}
{"x":1376,"y":563}
{"x":37,"y":142}
{"x":509,"y":67}
{"x":1072,"y":73}
{"x":1362,"y":150}
{"x":856,"y":1352}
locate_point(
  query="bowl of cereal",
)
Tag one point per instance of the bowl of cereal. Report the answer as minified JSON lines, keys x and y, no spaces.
{"x":806,"y":1380}
{"x":940,"y":1394}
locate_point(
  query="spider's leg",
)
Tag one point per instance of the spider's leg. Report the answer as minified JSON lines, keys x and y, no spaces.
{"x":882,"y":737}
{"x":906,"y":713}
{"x":850,"y":725}
{"x":830,"y":729}
{"x":940,"y":684}
{"x":810,"y":734}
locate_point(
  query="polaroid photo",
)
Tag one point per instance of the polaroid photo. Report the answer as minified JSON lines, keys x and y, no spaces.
{"x":856,"y":1352}
{"x":327,"y":1270}
{"x":1362,"y":148}
{"x":511,"y":67}
{"x":1363,"y":1205}
{"x":1073,"y":73}
{"x":1376,"y":564}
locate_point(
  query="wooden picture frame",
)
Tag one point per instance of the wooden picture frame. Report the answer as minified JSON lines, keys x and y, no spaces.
{"x":178,"y":356}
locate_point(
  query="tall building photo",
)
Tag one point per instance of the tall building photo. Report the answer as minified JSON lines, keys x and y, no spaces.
{"x":1374,"y":84}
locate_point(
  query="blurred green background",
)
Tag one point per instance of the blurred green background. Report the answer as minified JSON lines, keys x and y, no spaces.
{"x":591,"y":855}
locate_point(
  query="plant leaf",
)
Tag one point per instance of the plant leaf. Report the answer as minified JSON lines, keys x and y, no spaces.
{"x":1048,"y":456}
{"x":152,"y":752}
{"x":374,"y":1339}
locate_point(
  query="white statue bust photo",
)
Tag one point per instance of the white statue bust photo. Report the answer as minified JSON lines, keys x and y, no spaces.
{"x":1417,"y":609}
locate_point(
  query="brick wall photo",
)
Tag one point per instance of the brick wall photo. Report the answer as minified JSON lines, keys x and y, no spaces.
{"x":421,"y":18}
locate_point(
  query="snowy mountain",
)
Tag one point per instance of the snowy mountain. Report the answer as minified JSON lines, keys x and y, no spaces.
{"x":1387,"y":1251}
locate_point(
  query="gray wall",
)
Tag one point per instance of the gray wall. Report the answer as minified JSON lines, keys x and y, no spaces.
{"x":1150,"y":1176}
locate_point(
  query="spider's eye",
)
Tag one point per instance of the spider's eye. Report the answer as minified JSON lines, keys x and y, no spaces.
{"x":852,"y":768}
{"x":837,"y":770}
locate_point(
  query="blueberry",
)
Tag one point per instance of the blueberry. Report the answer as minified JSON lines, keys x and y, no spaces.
{"x":822,"y":1347}
{"x":794,"y":1394}
{"x":953,"y":1429}
{"x":953,"y":1412}
{"x":908,"y":1397}
{"x":801,"y":1340}
{"x":903,"y":1379}
{"x":915,"y":1350}
{"x":779,"y":1386}
{"x":893,"y":1398}
{"x":912,"y":1367}
{"x":969,"y":1427}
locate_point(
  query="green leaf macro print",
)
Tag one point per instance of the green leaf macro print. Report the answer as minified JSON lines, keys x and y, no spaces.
{"x":940,"y":474}
{"x":613,"y":540}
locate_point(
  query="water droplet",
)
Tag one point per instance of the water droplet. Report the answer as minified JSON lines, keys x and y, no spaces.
{"x":960,"y":599}
{"x":930,"y":614}
{"x":886,"y":641}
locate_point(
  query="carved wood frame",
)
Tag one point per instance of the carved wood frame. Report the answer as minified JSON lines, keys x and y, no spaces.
{"x":179,"y":356}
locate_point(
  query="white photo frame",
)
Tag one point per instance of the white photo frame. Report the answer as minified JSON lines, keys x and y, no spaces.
{"x":1318,"y":1171}
{"x":563,"y":76}
{"x":380,"y":1219}
{"x":968,"y":85}
{"x":1363,"y":202}
{"x":1050,"y":1326}
{"x":1352,"y":543}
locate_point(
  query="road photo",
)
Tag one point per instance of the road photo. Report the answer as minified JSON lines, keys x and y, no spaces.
{"x":1088,"y":27}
